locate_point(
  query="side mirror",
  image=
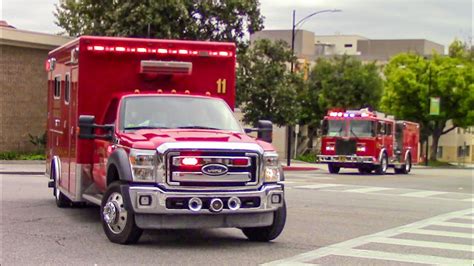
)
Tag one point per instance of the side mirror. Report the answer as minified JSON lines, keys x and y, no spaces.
{"x":87,"y":128}
{"x":265,"y":130}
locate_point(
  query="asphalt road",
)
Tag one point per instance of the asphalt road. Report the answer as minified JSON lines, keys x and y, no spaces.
{"x":347,"y":219}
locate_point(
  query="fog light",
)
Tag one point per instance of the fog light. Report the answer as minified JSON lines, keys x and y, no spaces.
{"x":145,"y":200}
{"x":276,"y":198}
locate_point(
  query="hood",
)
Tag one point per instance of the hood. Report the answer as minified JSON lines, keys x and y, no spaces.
{"x":152,"y":138}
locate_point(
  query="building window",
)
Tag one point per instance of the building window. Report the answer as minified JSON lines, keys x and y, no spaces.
{"x":439,"y":152}
{"x":57,"y":87}
{"x":67,"y":89}
{"x":348,"y":45}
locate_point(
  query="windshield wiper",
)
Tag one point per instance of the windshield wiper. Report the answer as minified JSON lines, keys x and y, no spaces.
{"x":143,"y":127}
{"x":354,"y":134}
{"x":198,"y":127}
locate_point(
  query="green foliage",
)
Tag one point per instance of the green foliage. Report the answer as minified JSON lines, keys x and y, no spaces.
{"x":217,"y":20}
{"x":412,"y":79}
{"x":343,"y":82}
{"x":308,"y":157}
{"x":10,"y":155}
{"x":265,"y":86}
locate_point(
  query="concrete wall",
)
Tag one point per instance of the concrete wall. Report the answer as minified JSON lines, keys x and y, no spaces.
{"x":339,"y":44}
{"x":384,"y":49}
{"x":22,"y":96}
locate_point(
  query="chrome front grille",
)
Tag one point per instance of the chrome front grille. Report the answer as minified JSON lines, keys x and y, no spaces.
{"x":241,"y":175}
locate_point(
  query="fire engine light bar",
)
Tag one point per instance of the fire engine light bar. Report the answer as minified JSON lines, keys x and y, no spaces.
{"x":165,"y":67}
{"x":182,"y":52}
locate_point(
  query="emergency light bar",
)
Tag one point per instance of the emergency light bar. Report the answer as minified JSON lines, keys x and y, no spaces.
{"x":122,"y":49}
{"x":165,"y":67}
{"x":352,"y":113}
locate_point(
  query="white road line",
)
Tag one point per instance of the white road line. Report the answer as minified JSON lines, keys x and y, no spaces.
{"x":466,"y":218}
{"x":367,"y":190}
{"x":471,"y":226}
{"x":372,"y":254}
{"x":423,"y":194}
{"x":440,"y":233}
{"x":316,"y":186}
{"x":423,"y":244}
{"x":349,"y":244}
{"x":470,"y":199}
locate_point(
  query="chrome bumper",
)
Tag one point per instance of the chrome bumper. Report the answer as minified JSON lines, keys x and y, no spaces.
{"x":159,"y":198}
{"x":346,"y":159}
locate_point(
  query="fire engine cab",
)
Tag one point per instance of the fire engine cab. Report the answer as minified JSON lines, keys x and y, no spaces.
{"x":144,"y":128}
{"x":369,"y":141}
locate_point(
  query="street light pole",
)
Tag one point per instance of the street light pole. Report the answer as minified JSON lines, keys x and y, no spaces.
{"x":292,"y":68}
{"x":428,"y":122}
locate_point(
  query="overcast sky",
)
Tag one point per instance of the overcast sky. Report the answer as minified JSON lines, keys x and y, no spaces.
{"x":437,"y":20}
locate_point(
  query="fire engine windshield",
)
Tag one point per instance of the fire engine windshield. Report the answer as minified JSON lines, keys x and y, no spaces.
{"x":176,"y":112}
{"x":361,"y":128}
{"x":334,"y":128}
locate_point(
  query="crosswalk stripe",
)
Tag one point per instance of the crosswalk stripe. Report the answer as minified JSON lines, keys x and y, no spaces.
{"x":469,"y":199}
{"x":367,"y":190}
{"x":466,"y":217}
{"x":471,"y":226}
{"x":411,"y":258}
{"x":316,"y":186}
{"x":423,"y":194}
{"x":439,"y":233}
{"x":424,"y":244}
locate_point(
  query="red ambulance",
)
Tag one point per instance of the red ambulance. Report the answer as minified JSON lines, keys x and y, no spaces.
{"x":144,"y":128}
{"x":368,"y":141}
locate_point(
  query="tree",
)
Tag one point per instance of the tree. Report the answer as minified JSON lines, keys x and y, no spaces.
{"x":339,"y":82}
{"x":412,"y":80}
{"x":217,"y":20}
{"x":266,"y":89}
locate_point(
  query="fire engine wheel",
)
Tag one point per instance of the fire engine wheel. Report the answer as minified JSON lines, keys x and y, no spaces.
{"x":406,"y":168}
{"x":119,"y":225}
{"x":381,"y":169}
{"x":333,"y":169}
{"x":268,"y":233}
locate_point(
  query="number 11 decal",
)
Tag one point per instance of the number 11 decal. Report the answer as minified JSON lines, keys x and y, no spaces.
{"x":221,"y":86}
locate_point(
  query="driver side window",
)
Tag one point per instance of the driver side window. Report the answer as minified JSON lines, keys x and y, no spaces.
{"x":380,"y":128}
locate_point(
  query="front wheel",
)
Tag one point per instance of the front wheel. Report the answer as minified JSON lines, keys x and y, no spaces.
{"x":268,"y":233}
{"x":119,"y":224}
{"x":381,"y":169}
{"x":333,"y":169}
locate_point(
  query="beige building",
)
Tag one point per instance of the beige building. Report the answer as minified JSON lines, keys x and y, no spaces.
{"x":457,"y":146}
{"x":327,"y":45}
{"x":23,"y":83}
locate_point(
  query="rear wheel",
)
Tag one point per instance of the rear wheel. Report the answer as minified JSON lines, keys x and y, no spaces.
{"x":333,"y":169}
{"x":381,"y":169}
{"x":407,"y":166}
{"x":118,"y":223}
{"x":61,"y":200}
{"x":268,"y":233}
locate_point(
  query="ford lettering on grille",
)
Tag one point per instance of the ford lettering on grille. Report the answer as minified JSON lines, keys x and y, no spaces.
{"x":214,"y":169}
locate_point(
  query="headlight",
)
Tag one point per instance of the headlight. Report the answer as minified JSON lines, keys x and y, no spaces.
{"x":272,"y":171}
{"x":143,"y":164}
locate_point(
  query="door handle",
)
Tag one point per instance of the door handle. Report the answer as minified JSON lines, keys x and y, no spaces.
{"x":56,"y":122}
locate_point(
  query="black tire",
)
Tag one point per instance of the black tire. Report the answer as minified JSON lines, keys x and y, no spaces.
{"x":333,"y":169}
{"x":381,"y":169}
{"x":407,"y":166}
{"x":62,"y":201}
{"x":364,"y":170}
{"x":122,"y":228}
{"x":268,"y":233}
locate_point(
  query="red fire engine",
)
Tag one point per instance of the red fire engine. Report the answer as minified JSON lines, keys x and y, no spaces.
{"x":368,"y":141}
{"x":144,"y":128}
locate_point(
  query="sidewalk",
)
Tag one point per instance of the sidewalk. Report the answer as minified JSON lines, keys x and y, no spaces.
{"x":22,"y":167}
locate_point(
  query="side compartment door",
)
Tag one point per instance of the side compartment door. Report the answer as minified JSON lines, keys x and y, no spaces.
{"x":71,"y":97}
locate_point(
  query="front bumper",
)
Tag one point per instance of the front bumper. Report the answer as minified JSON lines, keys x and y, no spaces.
{"x":159,"y":199}
{"x":346,"y":159}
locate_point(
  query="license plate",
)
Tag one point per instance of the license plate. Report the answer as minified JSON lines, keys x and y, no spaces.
{"x":342,"y":158}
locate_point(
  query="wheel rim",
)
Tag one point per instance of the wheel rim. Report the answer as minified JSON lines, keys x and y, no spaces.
{"x":408,"y":166}
{"x":56,"y":184}
{"x":114,"y":214}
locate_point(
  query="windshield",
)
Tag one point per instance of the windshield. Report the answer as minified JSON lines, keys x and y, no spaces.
{"x":361,"y":128}
{"x":176,"y":112}
{"x":334,"y":128}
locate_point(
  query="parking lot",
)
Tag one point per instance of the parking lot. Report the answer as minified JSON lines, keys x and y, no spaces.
{"x":422,"y":218}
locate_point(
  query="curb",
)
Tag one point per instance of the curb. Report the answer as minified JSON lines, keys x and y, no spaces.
{"x":299,"y":168}
{"x":21,"y":173}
